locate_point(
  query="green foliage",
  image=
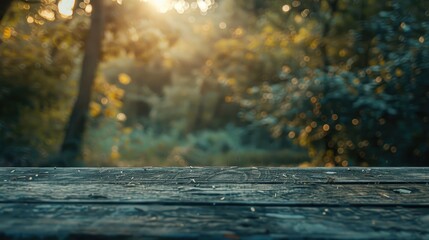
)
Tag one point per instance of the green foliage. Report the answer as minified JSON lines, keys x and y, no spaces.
{"x":368,"y":106}
{"x":36,"y":62}
{"x":110,"y":143}
{"x":346,"y":80}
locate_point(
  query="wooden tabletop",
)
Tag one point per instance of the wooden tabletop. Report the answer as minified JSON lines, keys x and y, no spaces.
{"x":214,"y":203}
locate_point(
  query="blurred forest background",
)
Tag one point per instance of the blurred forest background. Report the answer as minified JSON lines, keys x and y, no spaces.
{"x":205,"y":82}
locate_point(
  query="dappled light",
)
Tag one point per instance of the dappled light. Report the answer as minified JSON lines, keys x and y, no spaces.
{"x":204,"y":82}
{"x":65,"y":7}
{"x":180,"y":6}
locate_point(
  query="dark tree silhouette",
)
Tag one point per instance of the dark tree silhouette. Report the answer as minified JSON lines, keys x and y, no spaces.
{"x":4,"y":6}
{"x":71,"y":146}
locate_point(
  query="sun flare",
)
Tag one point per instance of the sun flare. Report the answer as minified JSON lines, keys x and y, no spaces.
{"x":161,"y":6}
{"x":65,"y":7}
{"x":180,"y":6}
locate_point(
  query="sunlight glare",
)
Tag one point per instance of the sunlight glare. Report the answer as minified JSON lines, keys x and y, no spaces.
{"x":180,"y":6}
{"x":203,"y":5}
{"x":161,"y":6}
{"x":65,"y":7}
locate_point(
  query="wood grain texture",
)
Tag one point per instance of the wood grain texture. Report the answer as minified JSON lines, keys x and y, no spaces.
{"x":219,"y":175}
{"x":217,"y":203}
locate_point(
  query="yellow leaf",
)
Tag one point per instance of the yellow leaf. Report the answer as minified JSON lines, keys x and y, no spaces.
{"x":399,"y":72}
{"x":7,"y":32}
{"x":109,"y":113}
{"x":94,"y":109}
{"x":115,"y":154}
{"x":232,"y":81}
{"x":269,"y":42}
{"x":124,"y":78}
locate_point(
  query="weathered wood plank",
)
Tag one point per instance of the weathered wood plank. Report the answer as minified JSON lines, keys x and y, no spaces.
{"x":306,"y":186}
{"x":219,"y":203}
{"x":286,"y":194}
{"x":219,"y":175}
{"x":76,"y":221}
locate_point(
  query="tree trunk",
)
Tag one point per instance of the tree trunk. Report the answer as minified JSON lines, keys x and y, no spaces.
{"x":73,"y":138}
{"x":4,"y":6}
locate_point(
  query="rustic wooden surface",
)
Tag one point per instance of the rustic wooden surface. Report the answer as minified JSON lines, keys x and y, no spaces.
{"x":216,"y":203}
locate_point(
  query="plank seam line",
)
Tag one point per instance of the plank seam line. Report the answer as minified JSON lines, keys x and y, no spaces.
{"x":217,"y":203}
{"x":229,"y":182}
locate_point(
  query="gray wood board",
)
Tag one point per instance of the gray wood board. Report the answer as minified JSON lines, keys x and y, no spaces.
{"x":219,"y":203}
{"x":284,"y":194}
{"x":121,"y":221}
{"x":219,"y":175}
